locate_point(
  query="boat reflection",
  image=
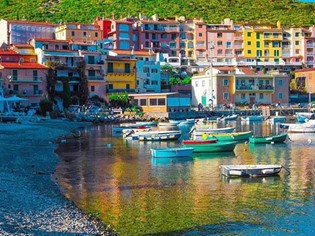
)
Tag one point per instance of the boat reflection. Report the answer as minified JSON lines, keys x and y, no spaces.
{"x":214,"y":155}
{"x":244,"y":180}
{"x":169,"y":161}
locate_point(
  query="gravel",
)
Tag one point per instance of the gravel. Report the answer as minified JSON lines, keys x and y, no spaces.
{"x":31,"y":202}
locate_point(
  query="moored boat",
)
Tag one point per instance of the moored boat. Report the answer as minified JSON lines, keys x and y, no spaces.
{"x":156,"y":135}
{"x":252,"y":118}
{"x":213,"y":147}
{"x":307,"y":127}
{"x":172,"y":152}
{"x":235,"y":136}
{"x":278,"y":138}
{"x":147,"y":123}
{"x":199,"y":141}
{"x":250,"y":170}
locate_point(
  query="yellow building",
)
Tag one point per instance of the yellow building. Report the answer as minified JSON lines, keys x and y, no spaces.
{"x":263,"y":42}
{"x":76,"y":32}
{"x":120,"y":74}
{"x":305,"y":80}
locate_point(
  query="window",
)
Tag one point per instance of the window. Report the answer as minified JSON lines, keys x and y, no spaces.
{"x":297,"y":43}
{"x":220,"y":51}
{"x":276,"y":53}
{"x":196,"y":83}
{"x":35,"y":75}
{"x":228,"y":44}
{"x":249,"y":43}
{"x":91,"y":60}
{"x":96,"y":34}
{"x":110,"y":68}
{"x":154,"y":71}
{"x":72,"y":33}
{"x":258,"y":44}
{"x":161,"y":101}
{"x":200,"y":34}
{"x":153,"y":101}
{"x":92,"y":88}
{"x":259,"y":53}
{"x":249,"y":34}
{"x":219,"y":35}
{"x":225,"y":96}
{"x":297,"y":51}
{"x":226,"y":82}
{"x":199,"y":26}
{"x":163,"y":36}
{"x":14,"y":75}
{"x":243,"y":96}
{"x":143,"y":102}
{"x":276,"y":44}
{"x":249,"y":51}
{"x":127,"y":68}
{"x":203,"y":83}
{"x":127,"y":86}
{"x":84,"y":34}
{"x":173,"y":37}
{"x":257,"y":35}
{"x":280,"y":82}
{"x":56,"y":47}
{"x":297,"y":34}
{"x":219,"y":43}
{"x":261,"y":96}
{"x":146,"y":36}
{"x":280,"y":95}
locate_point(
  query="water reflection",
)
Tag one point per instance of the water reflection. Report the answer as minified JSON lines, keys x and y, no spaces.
{"x":139,"y":195}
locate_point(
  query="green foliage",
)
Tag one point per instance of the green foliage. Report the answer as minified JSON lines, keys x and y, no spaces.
{"x":67,"y":101}
{"x":83,"y":82}
{"x":45,"y":106}
{"x":289,"y":12}
{"x":174,"y":81}
{"x":186,"y":80}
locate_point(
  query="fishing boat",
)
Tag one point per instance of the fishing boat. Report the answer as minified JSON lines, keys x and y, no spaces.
{"x":147,"y":123}
{"x":235,"y":136}
{"x":157,"y":135}
{"x":172,"y":152}
{"x":197,"y":133}
{"x":171,"y":123}
{"x":307,"y":127}
{"x":118,"y":130}
{"x":187,"y":122}
{"x":199,"y":141}
{"x":250,"y":170}
{"x":304,"y":116}
{"x":213,"y":147}
{"x":228,"y":118}
{"x":128,"y":131}
{"x":252,"y":118}
{"x":279,"y":138}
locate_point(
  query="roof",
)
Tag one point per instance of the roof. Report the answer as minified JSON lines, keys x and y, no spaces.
{"x":246,"y":70}
{"x":8,"y":52}
{"x":111,"y":58}
{"x":23,"y":65}
{"x":51,"y":40}
{"x":31,"y":22}
{"x":22,"y":45}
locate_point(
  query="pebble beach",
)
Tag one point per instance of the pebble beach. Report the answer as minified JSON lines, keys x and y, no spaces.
{"x":31,"y":202}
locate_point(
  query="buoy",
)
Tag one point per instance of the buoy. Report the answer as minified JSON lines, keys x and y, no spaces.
{"x":309,"y":140}
{"x":272,"y":142}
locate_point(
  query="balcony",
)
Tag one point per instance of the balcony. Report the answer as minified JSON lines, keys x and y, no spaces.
{"x":98,"y":78}
{"x":310,"y":45}
{"x":251,"y":87}
{"x":27,"y":93}
{"x":27,"y":80}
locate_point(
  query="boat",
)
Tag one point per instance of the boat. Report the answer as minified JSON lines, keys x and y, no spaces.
{"x":304,"y":116}
{"x":307,"y":127}
{"x":250,"y":170}
{"x":157,"y":135}
{"x":128,"y":131}
{"x":172,"y":152}
{"x":278,"y":138}
{"x":252,"y":118}
{"x":147,"y":123}
{"x":235,"y":136}
{"x":228,"y":118}
{"x":220,"y":146}
{"x":118,"y":130}
{"x":187,"y":122}
{"x":277,"y":119}
{"x":199,"y":141}
{"x":171,"y":123}
{"x":197,"y":133}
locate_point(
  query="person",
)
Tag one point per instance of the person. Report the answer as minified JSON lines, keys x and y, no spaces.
{"x":279,"y":104}
{"x":204,"y":136}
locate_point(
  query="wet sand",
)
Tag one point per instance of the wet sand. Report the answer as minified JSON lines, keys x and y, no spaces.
{"x":31,"y":203}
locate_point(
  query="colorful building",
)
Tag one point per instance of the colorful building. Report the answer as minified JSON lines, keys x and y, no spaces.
{"x":305,"y":80}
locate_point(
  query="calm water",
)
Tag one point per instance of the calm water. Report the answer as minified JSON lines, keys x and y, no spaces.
{"x":138,"y":195}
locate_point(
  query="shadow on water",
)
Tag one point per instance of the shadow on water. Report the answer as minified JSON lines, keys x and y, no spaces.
{"x":230,"y":228}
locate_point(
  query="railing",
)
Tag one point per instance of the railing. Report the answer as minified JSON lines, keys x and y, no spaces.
{"x":255,"y":87}
{"x":95,"y":78}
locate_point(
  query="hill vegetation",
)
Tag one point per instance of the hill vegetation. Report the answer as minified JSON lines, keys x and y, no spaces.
{"x":289,"y":12}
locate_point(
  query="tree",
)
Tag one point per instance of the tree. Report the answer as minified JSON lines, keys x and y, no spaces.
{"x":83,"y":83}
{"x":51,"y":79}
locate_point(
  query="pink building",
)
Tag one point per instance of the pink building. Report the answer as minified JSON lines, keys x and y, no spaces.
{"x":21,"y":77}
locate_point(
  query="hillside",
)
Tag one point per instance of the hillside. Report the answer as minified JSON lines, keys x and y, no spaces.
{"x":289,"y":12}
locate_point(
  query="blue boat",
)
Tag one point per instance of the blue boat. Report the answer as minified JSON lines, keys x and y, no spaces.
{"x":172,"y":152}
{"x":253,"y":118}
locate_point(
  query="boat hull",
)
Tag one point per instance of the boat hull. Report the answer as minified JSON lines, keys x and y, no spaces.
{"x":171,"y":152}
{"x":237,"y":136}
{"x":250,"y":170}
{"x":156,"y":135}
{"x":280,"y":138}
{"x":213,"y":147}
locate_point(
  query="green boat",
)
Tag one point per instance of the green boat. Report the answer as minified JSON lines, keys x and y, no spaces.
{"x":279,"y":138}
{"x":220,"y":146}
{"x":235,"y":136}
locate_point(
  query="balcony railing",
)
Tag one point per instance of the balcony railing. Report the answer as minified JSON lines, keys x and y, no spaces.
{"x":251,"y":87}
{"x":95,"y":78}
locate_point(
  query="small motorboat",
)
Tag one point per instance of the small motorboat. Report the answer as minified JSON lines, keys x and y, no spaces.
{"x":250,"y":170}
{"x":172,"y":152}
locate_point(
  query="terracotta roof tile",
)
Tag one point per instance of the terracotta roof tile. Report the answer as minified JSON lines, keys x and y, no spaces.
{"x":23,"y":65}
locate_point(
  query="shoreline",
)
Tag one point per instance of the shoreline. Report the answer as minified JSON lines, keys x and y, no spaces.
{"x":32,"y":203}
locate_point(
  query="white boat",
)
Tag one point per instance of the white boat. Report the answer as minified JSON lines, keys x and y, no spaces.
{"x":228,"y":118}
{"x":187,"y":122}
{"x":172,"y":152}
{"x":250,"y":170}
{"x":252,"y":118}
{"x":307,"y":127}
{"x":304,"y":116}
{"x":129,"y":131}
{"x":171,"y":123}
{"x":209,"y":131}
{"x":147,"y":123}
{"x":118,"y":130}
{"x":157,"y":135}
